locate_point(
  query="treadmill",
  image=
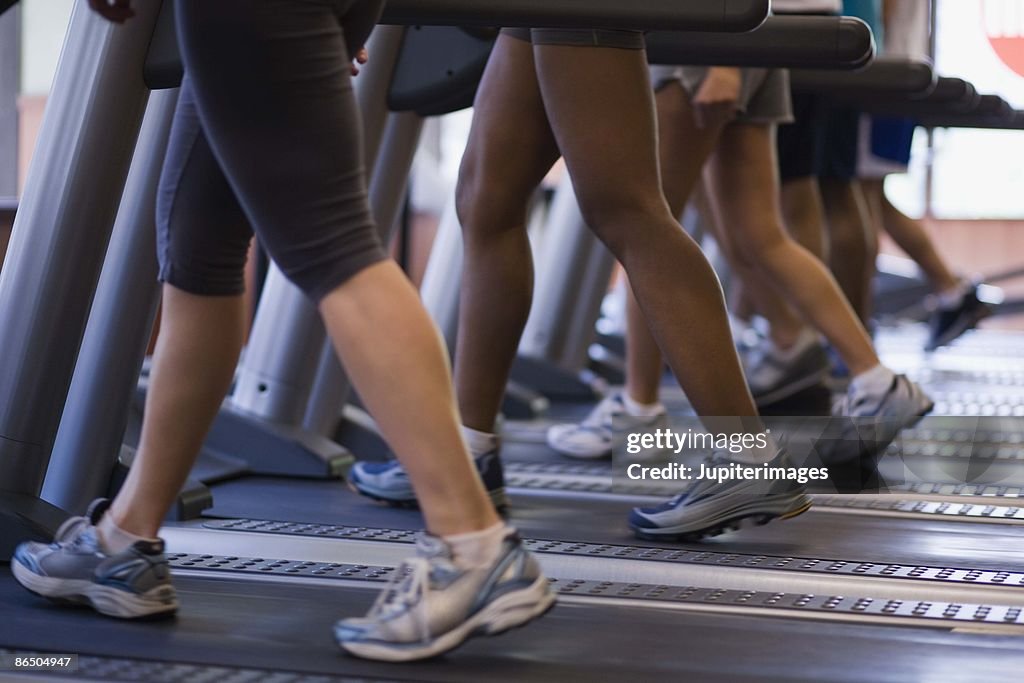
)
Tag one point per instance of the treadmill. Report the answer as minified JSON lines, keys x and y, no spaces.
{"x":835,"y":595}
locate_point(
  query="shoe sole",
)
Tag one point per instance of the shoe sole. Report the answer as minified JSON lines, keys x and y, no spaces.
{"x":955,"y":332}
{"x":794,"y":387}
{"x":575,"y":454}
{"x":498,"y":497}
{"x":510,"y":611}
{"x":734,"y":521}
{"x":161,"y":601}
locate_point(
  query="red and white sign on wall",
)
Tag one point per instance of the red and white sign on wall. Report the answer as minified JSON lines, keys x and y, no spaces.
{"x":1004,"y":26}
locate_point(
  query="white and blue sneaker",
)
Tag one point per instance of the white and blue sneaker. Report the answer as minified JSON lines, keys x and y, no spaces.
{"x":596,"y":436}
{"x":389,"y":483}
{"x":709,"y":507}
{"x":75,"y":569}
{"x":432,"y":606}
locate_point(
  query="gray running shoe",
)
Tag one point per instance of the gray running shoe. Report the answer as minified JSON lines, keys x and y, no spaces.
{"x":74,"y":569}
{"x":867,"y":423}
{"x":595,"y":437}
{"x":773,"y":378}
{"x":433,"y":606}
{"x":709,"y":507}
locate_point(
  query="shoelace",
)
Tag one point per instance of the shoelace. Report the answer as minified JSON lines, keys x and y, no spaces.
{"x":406,"y":593}
{"x":70,"y":531}
{"x":696,"y":485}
{"x":600,"y":419}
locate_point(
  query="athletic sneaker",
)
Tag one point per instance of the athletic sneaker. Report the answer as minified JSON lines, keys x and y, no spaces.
{"x":708,"y":507}
{"x":945,"y":325}
{"x":773,"y":377}
{"x":388,"y":482}
{"x":595,"y":437}
{"x":432,"y":606}
{"x":75,"y":569}
{"x":870,"y":422}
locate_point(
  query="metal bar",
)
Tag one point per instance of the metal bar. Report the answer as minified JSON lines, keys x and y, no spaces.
{"x":573,"y":272}
{"x":692,"y":15}
{"x":283,"y":356}
{"x":442,"y":280}
{"x":780,"y":42}
{"x":387,"y":192}
{"x":882,"y":78}
{"x":62,"y":229}
{"x":92,"y":426}
{"x":10,"y":86}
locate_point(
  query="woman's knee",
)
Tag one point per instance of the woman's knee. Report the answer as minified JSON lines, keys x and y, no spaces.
{"x":486,"y":203}
{"x":620,"y":218}
{"x":763,"y":247}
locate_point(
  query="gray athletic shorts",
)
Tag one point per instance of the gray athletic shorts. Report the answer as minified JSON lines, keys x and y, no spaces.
{"x":764,"y":94}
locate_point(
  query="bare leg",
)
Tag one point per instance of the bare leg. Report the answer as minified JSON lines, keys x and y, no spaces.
{"x":683,"y":149}
{"x":910,"y":236}
{"x":847,"y":216}
{"x":804,"y":214}
{"x":752,"y":216}
{"x":194,"y":362}
{"x":398,"y":364}
{"x":613,"y":159}
{"x":785,"y":325}
{"x":510,"y":150}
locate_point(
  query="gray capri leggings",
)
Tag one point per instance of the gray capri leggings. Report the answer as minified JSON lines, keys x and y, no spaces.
{"x":267,"y":138}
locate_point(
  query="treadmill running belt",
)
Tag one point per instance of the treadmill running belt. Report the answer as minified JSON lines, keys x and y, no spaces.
{"x":818,"y":533}
{"x":287,"y":627}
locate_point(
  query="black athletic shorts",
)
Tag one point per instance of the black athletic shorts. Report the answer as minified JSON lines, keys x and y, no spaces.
{"x":821,"y":142}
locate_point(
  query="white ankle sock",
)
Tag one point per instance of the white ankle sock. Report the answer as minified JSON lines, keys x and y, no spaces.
{"x":477,"y":549}
{"x":479,"y":442}
{"x":756,"y":456}
{"x":114,"y":539}
{"x":874,"y":382}
{"x":641,"y":409}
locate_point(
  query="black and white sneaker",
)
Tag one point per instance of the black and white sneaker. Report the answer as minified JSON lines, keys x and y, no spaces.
{"x":946,"y":325}
{"x":75,"y":569}
{"x":432,"y":606}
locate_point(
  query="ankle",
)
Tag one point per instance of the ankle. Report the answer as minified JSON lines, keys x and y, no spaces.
{"x":873,"y":381}
{"x":479,"y":548}
{"x":114,"y":538}
{"x":644,"y":408}
{"x":480,"y":442}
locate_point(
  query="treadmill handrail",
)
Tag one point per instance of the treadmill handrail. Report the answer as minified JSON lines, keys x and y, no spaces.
{"x":163,"y":68}
{"x":950,"y":96}
{"x":691,"y":15}
{"x":780,"y":42}
{"x":1013,"y":120}
{"x":882,"y":78}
